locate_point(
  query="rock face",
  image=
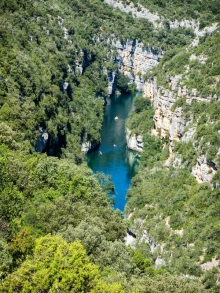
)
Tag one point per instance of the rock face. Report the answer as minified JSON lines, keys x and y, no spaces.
{"x":169,"y":122}
{"x":42,"y":141}
{"x":189,"y":134}
{"x":89,"y":146}
{"x":210,"y":264}
{"x":134,"y":142}
{"x":112,"y":81}
{"x":140,"y":13}
{"x":157,"y":21}
{"x":204,"y":170}
{"x":134,"y":60}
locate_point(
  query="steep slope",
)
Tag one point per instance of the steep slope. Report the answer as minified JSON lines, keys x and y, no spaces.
{"x":59,"y":60}
{"x":173,"y":205}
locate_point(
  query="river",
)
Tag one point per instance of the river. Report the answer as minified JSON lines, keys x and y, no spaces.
{"x":112,"y":157}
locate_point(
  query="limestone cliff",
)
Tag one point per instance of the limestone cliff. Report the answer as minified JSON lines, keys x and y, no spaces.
{"x":157,"y":21}
{"x":166,"y":121}
{"x":204,"y":170}
{"x":171,"y":122}
{"x":89,"y":146}
{"x":42,"y":141}
{"x":134,"y":60}
{"x":134,"y":142}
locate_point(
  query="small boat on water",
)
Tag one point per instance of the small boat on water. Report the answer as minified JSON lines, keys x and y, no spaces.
{"x":116,"y":117}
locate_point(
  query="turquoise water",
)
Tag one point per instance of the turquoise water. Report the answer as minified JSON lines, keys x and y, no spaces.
{"x":117,"y":160}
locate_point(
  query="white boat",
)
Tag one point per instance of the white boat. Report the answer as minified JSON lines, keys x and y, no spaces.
{"x":116,"y":117}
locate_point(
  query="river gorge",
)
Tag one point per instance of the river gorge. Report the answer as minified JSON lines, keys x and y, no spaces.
{"x":113,"y":157}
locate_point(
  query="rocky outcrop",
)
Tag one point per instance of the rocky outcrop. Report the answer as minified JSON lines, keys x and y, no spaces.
{"x":89,"y":146}
{"x":214,"y":263}
{"x":112,"y":81}
{"x":83,"y":60}
{"x":65,"y":85}
{"x":134,"y":142}
{"x":41,"y":142}
{"x":150,"y":88}
{"x":134,"y":60}
{"x":139,"y":12}
{"x":170,"y":122}
{"x":157,"y":21}
{"x":166,"y":121}
{"x":189,"y":134}
{"x":204,"y":170}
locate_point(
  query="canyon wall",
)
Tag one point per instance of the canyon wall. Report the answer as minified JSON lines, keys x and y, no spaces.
{"x":141,"y":12}
{"x":134,"y":142}
{"x":134,"y":60}
{"x":171,"y":122}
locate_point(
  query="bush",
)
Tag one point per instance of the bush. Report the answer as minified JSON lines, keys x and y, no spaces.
{"x":141,"y":104}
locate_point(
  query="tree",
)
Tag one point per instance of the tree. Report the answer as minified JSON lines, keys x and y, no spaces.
{"x":123,"y":83}
{"x":141,"y":104}
{"x":57,"y":266}
{"x":5,"y":259}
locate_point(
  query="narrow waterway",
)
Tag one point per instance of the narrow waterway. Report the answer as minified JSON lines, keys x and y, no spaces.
{"x":113,"y":157}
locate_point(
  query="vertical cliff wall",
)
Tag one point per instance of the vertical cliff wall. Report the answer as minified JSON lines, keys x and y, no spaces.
{"x":134,"y":60}
{"x":171,"y":122}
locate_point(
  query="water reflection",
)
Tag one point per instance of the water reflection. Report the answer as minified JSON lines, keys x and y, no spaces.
{"x":117,"y":161}
{"x":133,"y":160}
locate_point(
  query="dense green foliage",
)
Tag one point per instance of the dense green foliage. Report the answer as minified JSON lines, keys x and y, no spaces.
{"x":41,"y":82}
{"x":123,"y":84}
{"x":179,"y":213}
{"x":177,"y":219}
{"x":206,"y":11}
{"x":206,"y":123}
{"x":57,"y":265}
{"x":41,"y":195}
{"x":199,"y":66}
{"x":53,"y":63}
{"x":141,"y":122}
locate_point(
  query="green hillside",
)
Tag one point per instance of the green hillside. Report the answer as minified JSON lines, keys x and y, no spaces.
{"x":58,"y":229}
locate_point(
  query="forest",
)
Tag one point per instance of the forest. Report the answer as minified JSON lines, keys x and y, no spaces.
{"x":59,"y":231}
